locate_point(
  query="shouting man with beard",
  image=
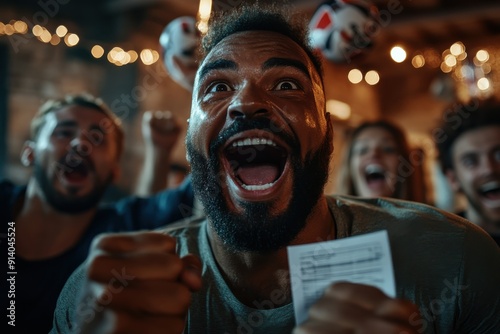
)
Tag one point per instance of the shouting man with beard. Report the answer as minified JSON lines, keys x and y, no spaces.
{"x":75,"y":151}
{"x":468,"y":141}
{"x":259,"y":142}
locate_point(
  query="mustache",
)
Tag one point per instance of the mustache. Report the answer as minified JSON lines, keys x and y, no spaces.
{"x":269,"y":129}
{"x":73,"y":160}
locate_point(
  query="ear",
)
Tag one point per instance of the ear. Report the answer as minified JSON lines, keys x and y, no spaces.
{"x":453,"y":180}
{"x":28,"y":153}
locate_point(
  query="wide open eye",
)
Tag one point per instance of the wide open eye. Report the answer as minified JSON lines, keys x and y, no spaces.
{"x":286,"y":85}
{"x":219,"y":87}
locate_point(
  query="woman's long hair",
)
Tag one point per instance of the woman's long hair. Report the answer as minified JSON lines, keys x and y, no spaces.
{"x":409,"y":185}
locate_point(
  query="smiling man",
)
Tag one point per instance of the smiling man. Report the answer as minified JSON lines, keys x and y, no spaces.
{"x":259,"y":144}
{"x":469,"y":153}
{"x":75,"y":149}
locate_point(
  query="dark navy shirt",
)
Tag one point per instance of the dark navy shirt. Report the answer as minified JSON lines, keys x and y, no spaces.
{"x":37,"y":284}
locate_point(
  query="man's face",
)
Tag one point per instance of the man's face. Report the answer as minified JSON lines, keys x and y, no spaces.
{"x":476,"y":161}
{"x":257,"y":139}
{"x":75,"y":158}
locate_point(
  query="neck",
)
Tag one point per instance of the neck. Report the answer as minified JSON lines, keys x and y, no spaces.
{"x":490,"y":226}
{"x":42,"y":231}
{"x":263,"y":278}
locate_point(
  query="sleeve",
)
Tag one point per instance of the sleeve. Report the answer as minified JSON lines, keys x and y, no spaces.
{"x":159,"y":210}
{"x":70,"y":305}
{"x":477,"y":288}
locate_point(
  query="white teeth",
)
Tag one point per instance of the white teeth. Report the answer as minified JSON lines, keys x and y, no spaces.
{"x":492,"y":185}
{"x":258,"y":187}
{"x":371,"y":169}
{"x":253,"y":141}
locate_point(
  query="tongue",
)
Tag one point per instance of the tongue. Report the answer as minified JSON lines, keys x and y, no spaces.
{"x":258,"y":174}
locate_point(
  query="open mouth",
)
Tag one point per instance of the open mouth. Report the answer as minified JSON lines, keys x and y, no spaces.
{"x":256,"y":163}
{"x":374,"y":174}
{"x":490,"y":191}
{"x":77,"y":174}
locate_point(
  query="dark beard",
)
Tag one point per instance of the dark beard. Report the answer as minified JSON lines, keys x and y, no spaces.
{"x":68,"y":203}
{"x":256,"y":229}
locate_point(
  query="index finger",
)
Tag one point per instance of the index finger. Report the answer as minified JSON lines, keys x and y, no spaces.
{"x":134,"y":242}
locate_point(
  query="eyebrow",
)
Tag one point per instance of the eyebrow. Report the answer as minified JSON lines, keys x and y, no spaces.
{"x":67,"y":123}
{"x":286,"y":62}
{"x":74,"y":124}
{"x":219,"y":64}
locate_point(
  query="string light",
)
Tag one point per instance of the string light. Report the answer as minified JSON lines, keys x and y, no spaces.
{"x":61,"y":31}
{"x":482,"y":56}
{"x":450,"y":61}
{"x":372,"y":77}
{"x":204,"y":15}
{"x":97,"y":51}
{"x":355,"y":76}
{"x":398,"y":54}
{"x":418,"y":61}
{"x":119,"y":56}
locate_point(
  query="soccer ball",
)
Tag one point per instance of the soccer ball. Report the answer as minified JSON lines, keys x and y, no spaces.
{"x":342,"y":29}
{"x":179,"y":43}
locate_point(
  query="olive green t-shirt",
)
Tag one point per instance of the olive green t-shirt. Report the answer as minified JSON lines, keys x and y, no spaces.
{"x":446,"y":265}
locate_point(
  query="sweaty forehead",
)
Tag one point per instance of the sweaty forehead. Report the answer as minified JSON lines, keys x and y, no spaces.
{"x":255,"y":46}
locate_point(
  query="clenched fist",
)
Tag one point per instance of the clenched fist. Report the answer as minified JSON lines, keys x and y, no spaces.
{"x":153,"y":294}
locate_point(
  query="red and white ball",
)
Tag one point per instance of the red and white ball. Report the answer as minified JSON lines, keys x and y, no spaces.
{"x":179,"y":43}
{"x":342,"y":29}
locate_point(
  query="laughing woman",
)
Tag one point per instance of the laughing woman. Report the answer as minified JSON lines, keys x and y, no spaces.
{"x":378,"y":163}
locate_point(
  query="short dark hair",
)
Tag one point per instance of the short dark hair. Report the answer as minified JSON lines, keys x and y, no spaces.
{"x":459,"y":119}
{"x":259,"y":17}
{"x":84,"y":100}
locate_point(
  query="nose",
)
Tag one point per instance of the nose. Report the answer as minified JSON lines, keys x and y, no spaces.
{"x":374,"y":152}
{"x":248,"y":103}
{"x":80,"y":144}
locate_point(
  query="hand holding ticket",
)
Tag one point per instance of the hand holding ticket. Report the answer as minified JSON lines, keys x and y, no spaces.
{"x":364,"y":259}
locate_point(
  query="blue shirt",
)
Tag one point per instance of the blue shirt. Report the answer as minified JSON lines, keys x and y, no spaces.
{"x":37,"y":284}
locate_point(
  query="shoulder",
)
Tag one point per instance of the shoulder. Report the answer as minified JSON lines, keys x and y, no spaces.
{"x":164,"y":208}
{"x":67,"y":303}
{"x":9,"y":193}
{"x":403,"y":219}
{"x":9,"y":189}
{"x":392,"y":209}
{"x":189,"y":233}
